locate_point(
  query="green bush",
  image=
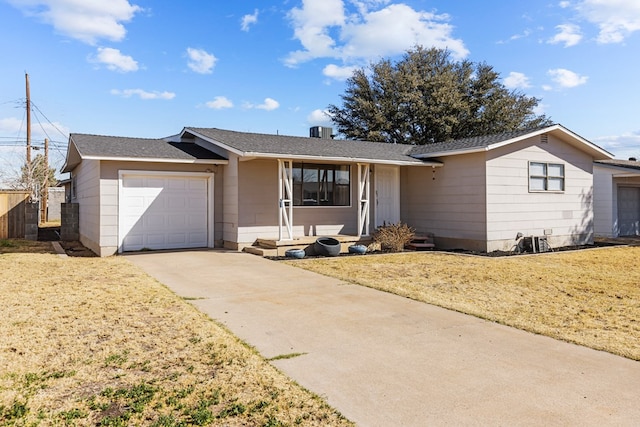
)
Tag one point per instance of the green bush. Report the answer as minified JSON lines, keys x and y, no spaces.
{"x":393,"y":237}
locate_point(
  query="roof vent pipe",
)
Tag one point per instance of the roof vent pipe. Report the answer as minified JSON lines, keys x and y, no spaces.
{"x":321,"y":132}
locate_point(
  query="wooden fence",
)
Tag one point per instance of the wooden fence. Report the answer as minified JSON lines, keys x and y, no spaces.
{"x":12,"y":214}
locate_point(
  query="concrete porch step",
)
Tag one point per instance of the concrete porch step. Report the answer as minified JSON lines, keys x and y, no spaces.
{"x":421,"y":241}
{"x":255,"y":250}
{"x":273,"y":247}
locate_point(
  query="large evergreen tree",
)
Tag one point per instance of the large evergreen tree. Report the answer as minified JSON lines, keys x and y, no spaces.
{"x":427,"y":97}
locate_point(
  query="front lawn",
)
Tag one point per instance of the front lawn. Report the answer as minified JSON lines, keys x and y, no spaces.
{"x":95,"y":341}
{"x":589,"y":297}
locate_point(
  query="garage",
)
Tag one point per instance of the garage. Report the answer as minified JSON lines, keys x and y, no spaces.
{"x":165,"y":210}
{"x":629,"y":211}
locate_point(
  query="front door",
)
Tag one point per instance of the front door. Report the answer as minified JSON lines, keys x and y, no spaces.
{"x":387,"y":187}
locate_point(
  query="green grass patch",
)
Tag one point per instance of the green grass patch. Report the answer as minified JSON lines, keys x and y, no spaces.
{"x":285,"y":356}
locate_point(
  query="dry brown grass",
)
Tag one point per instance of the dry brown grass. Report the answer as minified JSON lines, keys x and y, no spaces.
{"x":91,"y":341}
{"x":589,"y":297}
{"x":24,"y":246}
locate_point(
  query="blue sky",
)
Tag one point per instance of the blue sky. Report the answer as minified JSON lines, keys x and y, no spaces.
{"x":148,"y":68}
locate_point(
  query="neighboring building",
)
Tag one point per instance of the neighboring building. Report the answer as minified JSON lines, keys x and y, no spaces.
{"x":210,"y":187}
{"x":55,"y":198}
{"x":616,"y":185}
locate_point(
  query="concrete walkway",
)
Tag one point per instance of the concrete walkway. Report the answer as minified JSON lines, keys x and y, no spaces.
{"x":383,"y":360}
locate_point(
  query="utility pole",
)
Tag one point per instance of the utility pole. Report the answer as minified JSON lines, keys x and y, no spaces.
{"x":45,"y":184}
{"x":26,"y":76}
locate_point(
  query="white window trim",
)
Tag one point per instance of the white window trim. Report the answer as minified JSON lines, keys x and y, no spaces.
{"x":546,"y":177}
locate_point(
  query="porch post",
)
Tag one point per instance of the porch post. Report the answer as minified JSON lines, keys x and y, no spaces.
{"x":363,"y":199}
{"x":285,"y":196}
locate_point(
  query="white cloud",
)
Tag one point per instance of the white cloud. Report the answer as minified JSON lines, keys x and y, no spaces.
{"x":249,"y":20}
{"x":396,"y":28}
{"x":311,"y":27}
{"x":200,"y":61}
{"x":319,"y":118}
{"x":616,"y":19}
{"x":269,"y":104}
{"x":569,"y":34}
{"x":539,"y":109}
{"x":516,"y":80}
{"x":114,"y":60}
{"x":219,"y":103}
{"x":327,"y":30}
{"x":337,"y":72}
{"x":622,"y":146}
{"x":566,"y":79}
{"x":143,"y":94}
{"x":84,"y":20}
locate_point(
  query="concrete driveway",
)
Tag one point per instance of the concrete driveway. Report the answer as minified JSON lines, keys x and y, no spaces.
{"x":383,"y":360}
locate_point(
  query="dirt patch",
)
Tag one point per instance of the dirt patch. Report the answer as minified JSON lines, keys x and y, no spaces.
{"x":49,"y":233}
{"x":76,"y":249}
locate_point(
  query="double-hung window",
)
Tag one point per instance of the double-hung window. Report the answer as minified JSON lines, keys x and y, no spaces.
{"x":546,"y":176}
{"x":317,"y":184}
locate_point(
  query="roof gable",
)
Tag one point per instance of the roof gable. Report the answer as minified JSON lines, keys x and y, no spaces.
{"x":491,"y":142}
{"x":100,"y":147}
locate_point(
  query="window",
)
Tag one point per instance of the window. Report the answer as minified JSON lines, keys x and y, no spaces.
{"x":546,"y":177}
{"x":321,"y":185}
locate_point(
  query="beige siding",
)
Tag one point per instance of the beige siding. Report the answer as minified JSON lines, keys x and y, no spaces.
{"x":87,"y":178}
{"x":605,"y":206}
{"x":447,"y":201}
{"x":230,"y":202}
{"x":566,"y":217}
{"x":258,"y":207}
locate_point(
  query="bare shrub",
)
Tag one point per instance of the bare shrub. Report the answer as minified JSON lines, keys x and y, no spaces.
{"x":393,"y":237}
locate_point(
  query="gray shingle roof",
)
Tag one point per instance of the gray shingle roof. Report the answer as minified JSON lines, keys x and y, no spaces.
{"x":469,"y":143}
{"x":254,"y":143}
{"x":138,"y":148}
{"x":629,"y":164}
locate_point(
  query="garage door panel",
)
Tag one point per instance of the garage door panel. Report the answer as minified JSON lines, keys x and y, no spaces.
{"x":133,"y":240}
{"x":133,"y":182}
{"x":154,"y":221}
{"x":197,"y":239}
{"x":164,"y":212}
{"x":155,"y":183}
{"x":173,"y":184}
{"x":177,"y":221}
{"x":177,"y":202}
{"x":177,"y":238}
{"x":197,"y":184}
{"x":629,"y":211}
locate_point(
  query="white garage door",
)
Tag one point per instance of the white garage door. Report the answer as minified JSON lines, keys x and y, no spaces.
{"x":629,"y":211}
{"x":163,"y":211}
